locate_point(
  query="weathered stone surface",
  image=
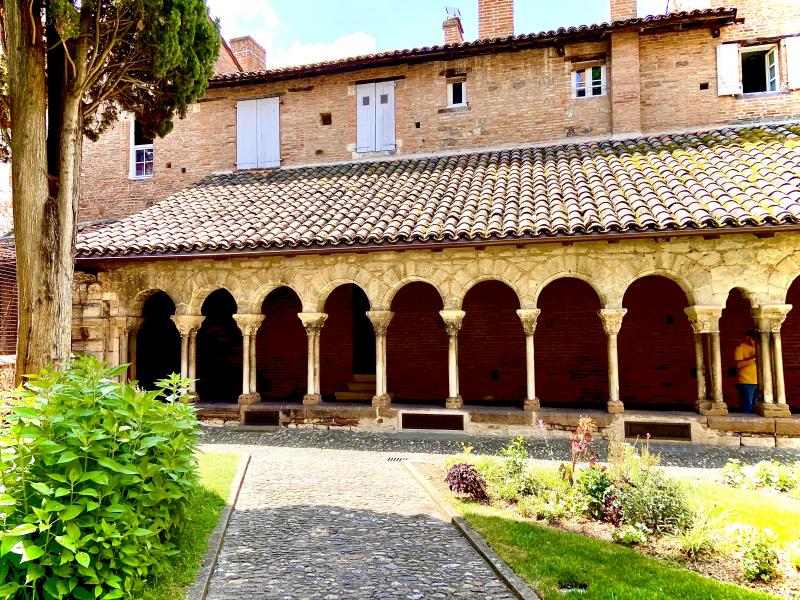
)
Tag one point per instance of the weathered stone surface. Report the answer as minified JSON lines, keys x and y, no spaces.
{"x":790,"y":427}
{"x":758,"y":442}
{"x":320,"y":523}
{"x":512,"y":417}
{"x":742,"y":424}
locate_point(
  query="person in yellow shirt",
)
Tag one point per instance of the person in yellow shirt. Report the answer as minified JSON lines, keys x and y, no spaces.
{"x":746,"y":371}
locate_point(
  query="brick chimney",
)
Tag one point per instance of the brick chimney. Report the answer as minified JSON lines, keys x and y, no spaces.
{"x":250,"y":54}
{"x":453,"y":31}
{"x":495,"y":18}
{"x":623,"y":9}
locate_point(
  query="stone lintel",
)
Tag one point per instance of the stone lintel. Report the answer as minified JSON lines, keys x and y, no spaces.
{"x":704,"y":319}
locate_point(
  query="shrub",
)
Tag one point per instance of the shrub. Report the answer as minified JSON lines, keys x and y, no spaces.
{"x":593,"y":483}
{"x":759,"y":556}
{"x":96,"y":478}
{"x":465,"y":479}
{"x":630,"y":535}
{"x":733,"y":474}
{"x":581,"y":448}
{"x":654,"y":501}
{"x":766,"y":474}
{"x":612,"y":508}
{"x":549,"y":506}
{"x":794,"y":555}
{"x":629,"y":461}
{"x":703,"y":535}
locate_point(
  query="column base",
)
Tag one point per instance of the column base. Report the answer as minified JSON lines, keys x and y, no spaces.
{"x":191,"y":397}
{"x":615,"y":407}
{"x":711,"y":409}
{"x":310,"y":399}
{"x":382,"y":400}
{"x":454,"y":402}
{"x":531,"y":404}
{"x":246,"y":399}
{"x":772,"y":409}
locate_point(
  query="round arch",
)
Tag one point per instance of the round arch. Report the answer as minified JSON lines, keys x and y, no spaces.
{"x":391,"y":293}
{"x":158,"y":343}
{"x":601,"y":295}
{"x":219,"y":349}
{"x":461,"y":295}
{"x":687,"y":290}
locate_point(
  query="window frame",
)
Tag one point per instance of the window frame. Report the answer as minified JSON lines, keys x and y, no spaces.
{"x":770,"y":51}
{"x":589,"y":86}
{"x":464,"y":98}
{"x":135,"y":148}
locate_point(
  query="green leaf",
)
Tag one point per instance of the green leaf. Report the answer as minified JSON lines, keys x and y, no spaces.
{"x":23,"y":529}
{"x":66,"y":542}
{"x":82,"y":558}
{"x":9,"y":589}
{"x":30,"y":551}
{"x":7,"y":500}
{"x":50,"y":447}
{"x":60,"y":492}
{"x":66,"y":457}
{"x":72,"y":511}
{"x":33,"y":573}
{"x":8,"y":543}
{"x":110,"y":463}
{"x":82,"y":594}
{"x":98,"y":477}
{"x":42,"y":488}
{"x":26,"y":412}
{"x":113,"y":595}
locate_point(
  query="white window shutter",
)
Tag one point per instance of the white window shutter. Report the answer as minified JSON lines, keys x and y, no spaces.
{"x":246,"y":134}
{"x":365,"y":117}
{"x":728,"y":80}
{"x":384,"y":116}
{"x":792,"y":47}
{"x":269,"y":137}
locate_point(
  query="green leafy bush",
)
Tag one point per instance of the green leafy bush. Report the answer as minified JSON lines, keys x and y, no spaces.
{"x":630,"y":535}
{"x":766,"y":474}
{"x":733,"y":474}
{"x":465,"y":479}
{"x":96,"y":478}
{"x":703,"y":535}
{"x":593,"y":483}
{"x":759,"y":556}
{"x":794,"y":555}
{"x":653,"y":501}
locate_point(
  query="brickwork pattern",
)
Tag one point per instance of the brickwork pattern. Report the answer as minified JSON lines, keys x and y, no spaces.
{"x":495,"y":18}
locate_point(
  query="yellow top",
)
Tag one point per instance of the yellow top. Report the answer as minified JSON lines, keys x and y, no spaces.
{"x":747,"y":372}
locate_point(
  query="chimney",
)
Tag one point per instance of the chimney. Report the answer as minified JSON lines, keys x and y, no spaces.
{"x":453,"y":31}
{"x":623,"y":9}
{"x":495,"y":18}
{"x":250,"y":54}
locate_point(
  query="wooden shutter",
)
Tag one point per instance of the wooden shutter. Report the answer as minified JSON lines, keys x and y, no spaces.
{"x":365,"y":117}
{"x":269,"y":137}
{"x":384,"y":116}
{"x":728,"y":79}
{"x":246,"y":134}
{"x":792,"y":47}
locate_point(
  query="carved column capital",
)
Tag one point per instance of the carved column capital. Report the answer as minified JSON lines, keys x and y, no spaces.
{"x":452,"y":320}
{"x":187,"y":324}
{"x":528,"y":316}
{"x":612,"y":319}
{"x":704,"y":319}
{"x":770,"y":317}
{"x":313,"y":322}
{"x":380,"y":320}
{"x":248,"y":323}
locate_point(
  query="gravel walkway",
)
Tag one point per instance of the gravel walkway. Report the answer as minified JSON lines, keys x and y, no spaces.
{"x":339,"y":524}
{"x":402,"y":444}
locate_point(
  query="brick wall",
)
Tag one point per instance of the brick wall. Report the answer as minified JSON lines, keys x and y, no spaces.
{"x":507,"y":106}
{"x":336,"y":343}
{"x":570,"y":346}
{"x":736,"y":319}
{"x":250,"y":54}
{"x":491,"y":346}
{"x":225,"y":62}
{"x":495,"y":18}
{"x":281,"y":346}
{"x":790,"y":336}
{"x":656,"y":347}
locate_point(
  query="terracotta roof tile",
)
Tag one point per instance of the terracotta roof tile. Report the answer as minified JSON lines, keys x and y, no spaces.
{"x":713,"y":179}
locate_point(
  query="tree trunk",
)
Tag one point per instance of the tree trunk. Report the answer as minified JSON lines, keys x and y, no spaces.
{"x":43,"y":335}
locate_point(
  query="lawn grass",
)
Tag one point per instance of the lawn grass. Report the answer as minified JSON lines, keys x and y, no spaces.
{"x":217,"y":470}
{"x":549,"y":559}
{"x":756,"y":508}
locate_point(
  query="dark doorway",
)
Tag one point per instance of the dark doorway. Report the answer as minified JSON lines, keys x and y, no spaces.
{"x":219,"y":350}
{"x":736,"y":319}
{"x":158,"y":343}
{"x":281,"y":348}
{"x":363,"y":335}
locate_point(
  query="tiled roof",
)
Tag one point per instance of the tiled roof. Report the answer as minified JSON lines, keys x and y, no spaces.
{"x":699,"y":181}
{"x":710,"y":16}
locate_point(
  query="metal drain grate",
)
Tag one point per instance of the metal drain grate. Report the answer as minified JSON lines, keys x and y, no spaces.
{"x":677,"y":432}
{"x":425,"y":420}
{"x":396,"y":458}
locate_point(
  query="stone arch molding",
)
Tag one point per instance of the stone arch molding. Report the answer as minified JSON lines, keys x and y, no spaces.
{"x":252,"y":300}
{"x":198,"y":287}
{"x":601,"y":292}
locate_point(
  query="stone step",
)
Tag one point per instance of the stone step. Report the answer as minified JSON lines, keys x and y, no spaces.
{"x":361,"y":386}
{"x":361,"y":378}
{"x":354,"y":396}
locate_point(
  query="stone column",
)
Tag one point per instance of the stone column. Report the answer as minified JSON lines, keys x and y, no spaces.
{"x":528,"y":316}
{"x":187,"y":326}
{"x":380,"y":320}
{"x":612,"y":323}
{"x":313,"y":323}
{"x":769,"y":318}
{"x":123,"y":337}
{"x":452,"y":321}
{"x":705,"y":325}
{"x":248,"y":325}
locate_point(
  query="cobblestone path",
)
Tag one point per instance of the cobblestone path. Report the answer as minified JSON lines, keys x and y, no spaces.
{"x":342,"y":524}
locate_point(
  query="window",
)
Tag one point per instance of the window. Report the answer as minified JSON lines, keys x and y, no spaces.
{"x":258,"y":138}
{"x":759,"y":69}
{"x":457,"y":92}
{"x":589,"y":82}
{"x":142,"y":155}
{"x":375,"y":117}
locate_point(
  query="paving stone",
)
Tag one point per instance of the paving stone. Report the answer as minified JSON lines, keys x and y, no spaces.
{"x":340,"y":524}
